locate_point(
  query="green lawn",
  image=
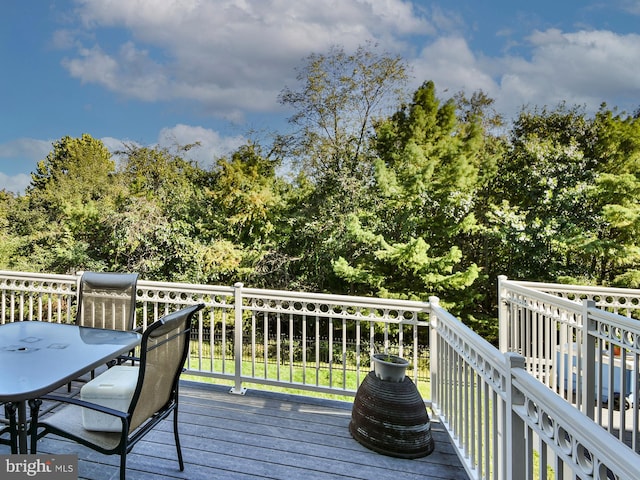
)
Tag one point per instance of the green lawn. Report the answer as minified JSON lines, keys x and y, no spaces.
{"x":324,"y":376}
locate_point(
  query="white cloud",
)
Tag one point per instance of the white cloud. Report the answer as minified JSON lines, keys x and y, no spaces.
{"x":452,"y":66}
{"x":632,"y":6}
{"x":227,"y":56}
{"x":231,"y":58}
{"x":14,"y":183}
{"x":23,"y":154}
{"x":20,"y":156}
{"x":25,"y":148}
{"x":212,"y":144}
{"x":131,"y":72}
{"x":581,"y":68}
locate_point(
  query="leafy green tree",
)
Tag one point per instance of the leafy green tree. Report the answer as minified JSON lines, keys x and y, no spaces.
{"x":69,"y":193}
{"x":76,"y":172}
{"x":540,"y":201}
{"x":245,"y":191}
{"x":158,"y":224}
{"x":244,"y":204}
{"x":145,"y":239}
{"x":9,"y":240}
{"x":427,"y":175}
{"x":341,"y":94}
{"x":611,"y":249}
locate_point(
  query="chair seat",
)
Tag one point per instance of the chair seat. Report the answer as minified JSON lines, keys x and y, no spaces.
{"x":66,"y":419}
{"x":114,"y":389}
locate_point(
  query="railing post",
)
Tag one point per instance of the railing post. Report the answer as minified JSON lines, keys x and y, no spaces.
{"x":238,"y":389}
{"x":587,"y":362}
{"x":514,"y":438}
{"x":503,"y":316}
{"x":433,"y":349}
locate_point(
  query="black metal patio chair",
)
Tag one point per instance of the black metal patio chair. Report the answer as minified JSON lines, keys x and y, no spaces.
{"x":163,"y":351}
{"x":106,"y":300}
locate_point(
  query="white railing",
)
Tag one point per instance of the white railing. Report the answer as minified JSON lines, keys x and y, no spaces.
{"x":36,"y":296}
{"x":623,"y":301}
{"x":296,"y":340}
{"x":586,"y":354}
{"x":505,"y":422}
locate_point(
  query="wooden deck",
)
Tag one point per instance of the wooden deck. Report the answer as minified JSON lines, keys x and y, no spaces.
{"x":260,"y":435}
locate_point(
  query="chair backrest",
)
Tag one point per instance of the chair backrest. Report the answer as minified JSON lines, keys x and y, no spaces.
{"x":163,"y":351}
{"x":107,"y":300}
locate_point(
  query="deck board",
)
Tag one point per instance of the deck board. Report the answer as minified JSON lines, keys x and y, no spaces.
{"x":260,"y":435}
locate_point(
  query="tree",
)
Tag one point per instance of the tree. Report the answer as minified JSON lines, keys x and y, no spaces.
{"x":611,"y":250}
{"x":76,"y":172}
{"x":245,"y":202}
{"x":545,"y":204}
{"x":340,"y":97}
{"x":9,"y":239}
{"x":245,"y":191}
{"x":70,"y":191}
{"x":159,"y":223}
{"x":427,"y":174}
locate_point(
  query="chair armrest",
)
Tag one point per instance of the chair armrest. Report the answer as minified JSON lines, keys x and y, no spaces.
{"x":86,"y":404}
{"x":33,"y":428}
{"x":126,"y":358}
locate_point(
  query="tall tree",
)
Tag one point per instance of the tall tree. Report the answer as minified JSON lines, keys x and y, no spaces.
{"x":74,"y":187}
{"x":157,"y":228}
{"x":427,"y":175}
{"x":245,"y":191}
{"x":245,"y":203}
{"x":341,"y":95}
{"x":541,"y":197}
{"x":76,"y":172}
{"x":612,"y":249}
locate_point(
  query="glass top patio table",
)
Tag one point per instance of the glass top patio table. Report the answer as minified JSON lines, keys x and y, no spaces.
{"x":38,"y":357}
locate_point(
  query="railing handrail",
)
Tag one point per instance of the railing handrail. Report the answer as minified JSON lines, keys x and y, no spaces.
{"x":579,"y":289}
{"x":616,"y":298}
{"x":525,"y":289}
{"x":310,"y":297}
{"x":577,"y":343}
{"x":480,"y":345}
{"x":488,"y":402}
{"x":35,"y":275}
{"x":615,"y":320}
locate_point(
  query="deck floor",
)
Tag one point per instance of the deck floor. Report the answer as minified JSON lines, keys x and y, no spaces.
{"x":260,"y":435}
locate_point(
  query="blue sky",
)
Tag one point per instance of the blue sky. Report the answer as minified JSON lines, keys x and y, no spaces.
{"x":166,"y":72}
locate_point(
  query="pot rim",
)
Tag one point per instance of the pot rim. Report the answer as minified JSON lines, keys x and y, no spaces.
{"x":394,"y":359}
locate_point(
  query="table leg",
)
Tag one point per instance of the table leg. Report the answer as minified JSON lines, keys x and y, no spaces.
{"x":22,"y":427}
{"x":34,"y":406}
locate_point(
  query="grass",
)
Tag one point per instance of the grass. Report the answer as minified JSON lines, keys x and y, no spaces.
{"x":326,"y":375}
